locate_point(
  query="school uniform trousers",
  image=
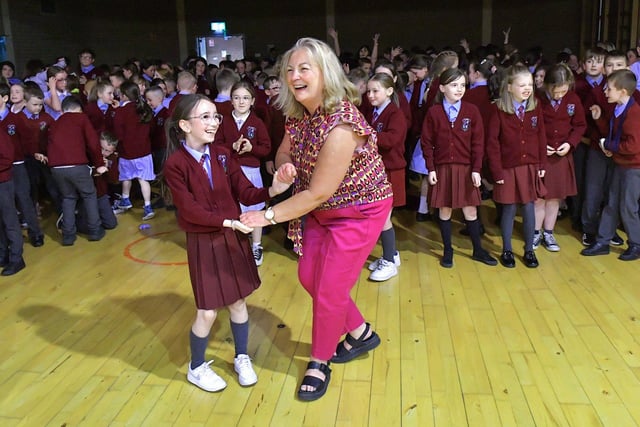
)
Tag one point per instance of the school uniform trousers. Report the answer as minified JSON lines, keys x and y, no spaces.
{"x":10,"y":234}
{"x":624,"y":189}
{"x":24,"y":202}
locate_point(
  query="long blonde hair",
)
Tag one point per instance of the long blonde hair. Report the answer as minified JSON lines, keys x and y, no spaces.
{"x":337,"y":87}
{"x":505,"y":102}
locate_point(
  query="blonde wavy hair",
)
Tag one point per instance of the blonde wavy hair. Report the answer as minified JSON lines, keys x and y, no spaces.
{"x":505,"y":102}
{"x":337,"y":87}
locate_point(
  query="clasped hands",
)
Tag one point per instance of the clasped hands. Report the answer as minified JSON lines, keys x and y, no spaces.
{"x":282,"y":180}
{"x":475,"y":178}
{"x":242,"y":145}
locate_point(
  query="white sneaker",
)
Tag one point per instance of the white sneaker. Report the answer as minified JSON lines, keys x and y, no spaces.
{"x":204,"y":377}
{"x":549,"y":242}
{"x":396,"y":260}
{"x":384,"y":271}
{"x":257,"y":255}
{"x":246,"y":375}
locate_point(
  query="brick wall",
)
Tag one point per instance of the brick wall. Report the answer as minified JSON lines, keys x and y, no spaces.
{"x":141,"y":28}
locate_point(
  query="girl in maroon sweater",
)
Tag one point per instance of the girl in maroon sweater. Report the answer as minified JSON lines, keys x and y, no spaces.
{"x":102,"y":111}
{"x":453,"y":146}
{"x":247,"y":136}
{"x":132,"y":127}
{"x":390,"y":124}
{"x":517,"y":152}
{"x":221,"y":265}
{"x":564,"y":122}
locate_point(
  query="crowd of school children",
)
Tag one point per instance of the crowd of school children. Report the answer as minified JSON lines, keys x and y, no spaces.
{"x":551,"y":134}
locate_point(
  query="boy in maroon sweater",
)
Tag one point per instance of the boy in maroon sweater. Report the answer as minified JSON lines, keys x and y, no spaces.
{"x":32,"y":128}
{"x":623,"y":145}
{"x":9,"y":126}
{"x":73,"y":145}
{"x":11,"y":260}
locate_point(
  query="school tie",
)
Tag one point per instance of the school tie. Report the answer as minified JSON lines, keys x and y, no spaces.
{"x":521,"y":113}
{"x":204,"y":165}
{"x":556,"y":104}
{"x":375,"y":117}
{"x":34,"y":117}
{"x":239,"y":123}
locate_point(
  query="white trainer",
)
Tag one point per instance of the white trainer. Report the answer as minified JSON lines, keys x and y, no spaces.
{"x":385,"y":271}
{"x":396,"y":260}
{"x":246,"y":375}
{"x":204,"y":377}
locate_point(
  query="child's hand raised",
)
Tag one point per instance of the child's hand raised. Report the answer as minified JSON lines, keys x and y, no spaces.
{"x":286,"y":173}
{"x":278,"y":186}
{"x":245,"y":147}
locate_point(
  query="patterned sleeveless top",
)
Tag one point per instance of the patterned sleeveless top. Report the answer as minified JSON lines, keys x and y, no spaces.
{"x":365,"y":180}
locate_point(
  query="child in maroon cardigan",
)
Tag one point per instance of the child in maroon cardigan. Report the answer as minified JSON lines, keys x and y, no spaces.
{"x":246,"y":135}
{"x":390,"y":124}
{"x":565,"y":123}
{"x":102,"y":111}
{"x":517,"y":154}
{"x":11,"y":250}
{"x":221,"y":265}
{"x":132,"y":127}
{"x":453,"y":147}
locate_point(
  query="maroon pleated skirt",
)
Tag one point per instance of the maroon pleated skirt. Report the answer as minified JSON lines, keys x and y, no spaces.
{"x":221,"y":267}
{"x":560,"y":177}
{"x":521,"y":185}
{"x":454,"y":188}
{"x":397,"y":179}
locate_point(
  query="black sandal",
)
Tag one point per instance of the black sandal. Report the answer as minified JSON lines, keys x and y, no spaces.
{"x":311,"y":381}
{"x":358,"y":346}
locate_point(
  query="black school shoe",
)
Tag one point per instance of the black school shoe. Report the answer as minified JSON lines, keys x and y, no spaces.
{"x":36,"y":241}
{"x":484,"y":257}
{"x":632,"y":253}
{"x":13,"y":268}
{"x":507,"y":259}
{"x":596,"y":249}
{"x":530,"y":259}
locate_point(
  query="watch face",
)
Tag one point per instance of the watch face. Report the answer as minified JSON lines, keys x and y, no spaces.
{"x":269,"y":214}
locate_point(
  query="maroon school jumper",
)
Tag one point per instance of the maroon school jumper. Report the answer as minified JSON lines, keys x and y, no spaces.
{"x":453,"y":151}
{"x":512,"y":143}
{"x":566,"y":123}
{"x":254,"y":130}
{"x":221,"y":264}
{"x":391,"y":127}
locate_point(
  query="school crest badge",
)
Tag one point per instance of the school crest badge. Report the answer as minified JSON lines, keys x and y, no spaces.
{"x":466,"y":124}
{"x":571,"y":109}
{"x":43,"y":126}
{"x":379,"y":127}
{"x":251,"y":132}
{"x":222,"y":159}
{"x":11,"y":130}
{"x":534,"y":121}
{"x":161,"y":121}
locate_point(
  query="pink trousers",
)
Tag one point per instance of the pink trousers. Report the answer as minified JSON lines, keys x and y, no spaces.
{"x":336,"y":244}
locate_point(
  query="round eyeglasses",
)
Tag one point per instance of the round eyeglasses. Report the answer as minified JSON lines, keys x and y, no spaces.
{"x":208,"y":119}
